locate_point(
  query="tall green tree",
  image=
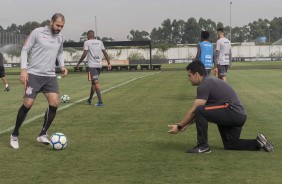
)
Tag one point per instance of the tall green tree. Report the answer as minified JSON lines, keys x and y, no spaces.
{"x":191,"y":31}
{"x":137,"y":35}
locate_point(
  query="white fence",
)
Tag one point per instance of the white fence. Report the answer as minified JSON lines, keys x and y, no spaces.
{"x":185,"y":52}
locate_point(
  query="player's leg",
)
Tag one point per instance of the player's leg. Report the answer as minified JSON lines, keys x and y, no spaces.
{"x":51,"y":92}
{"x":7,"y":88}
{"x":22,"y":113}
{"x":229,"y":124}
{"x":96,"y":85}
{"x":98,"y":92}
{"x":53,"y":101}
{"x":91,"y":94}
{"x":217,"y":113}
{"x":208,"y":71}
{"x":33,"y":86}
{"x":223,"y":72}
{"x":2,"y":76}
{"x":231,"y":139}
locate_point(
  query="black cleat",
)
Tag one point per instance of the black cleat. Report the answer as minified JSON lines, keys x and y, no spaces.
{"x":88,"y":102}
{"x":7,"y":89}
{"x":264,"y":143}
{"x":200,"y":148}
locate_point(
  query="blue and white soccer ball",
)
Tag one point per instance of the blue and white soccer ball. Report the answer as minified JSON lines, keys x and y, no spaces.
{"x":65,"y":99}
{"x":58,"y":141}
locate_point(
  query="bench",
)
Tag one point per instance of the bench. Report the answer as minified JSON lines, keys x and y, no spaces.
{"x":123,"y":67}
{"x":115,"y":67}
{"x":133,"y":67}
{"x":154,"y":67}
{"x":76,"y":69}
{"x":145,"y":67}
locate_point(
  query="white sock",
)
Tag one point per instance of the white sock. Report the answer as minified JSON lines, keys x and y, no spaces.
{"x":7,"y":85}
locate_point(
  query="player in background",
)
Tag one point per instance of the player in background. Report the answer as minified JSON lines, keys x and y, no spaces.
{"x":217,"y":102}
{"x":205,"y":51}
{"x":45,"y":45}
{"x":2,"y":73}
{"x":93,"y":49}
{"x":222,"y":56}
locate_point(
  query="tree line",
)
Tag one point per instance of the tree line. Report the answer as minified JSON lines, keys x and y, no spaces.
{"x":173,"y":32}
{"x":188,"y":32}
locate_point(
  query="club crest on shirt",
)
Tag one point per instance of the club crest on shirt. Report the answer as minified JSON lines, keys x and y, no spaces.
{"x":28,"y":90}
{"x":59,"y":40}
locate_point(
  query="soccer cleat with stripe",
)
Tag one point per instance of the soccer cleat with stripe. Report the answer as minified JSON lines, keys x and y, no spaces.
{"x":264,"y":143}
{"x":99,"y":104}
{"x":43,"y":139}
{"x":88,"y":102}
{"x":200,"y":148}
{"x":14,"y":142}
{"x":7,"y":89}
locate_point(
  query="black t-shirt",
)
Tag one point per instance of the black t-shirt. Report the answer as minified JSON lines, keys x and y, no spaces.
{"x":216,"y":91}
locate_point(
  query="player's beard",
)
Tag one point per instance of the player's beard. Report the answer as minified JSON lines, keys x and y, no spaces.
{"x":54,"y":30}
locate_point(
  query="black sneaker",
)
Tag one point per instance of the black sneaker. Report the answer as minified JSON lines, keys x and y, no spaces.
{"x":264,"y":143}
{"x":7,"y":89}
{"x":200,"y":148}
{"x":88,"y":102}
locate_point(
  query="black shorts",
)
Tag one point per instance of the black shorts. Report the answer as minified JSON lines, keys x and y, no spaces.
{"x":37,"y":84}
{"x":2,"y":71}
{"x":93,"y":74}
{"x":222,"y":70}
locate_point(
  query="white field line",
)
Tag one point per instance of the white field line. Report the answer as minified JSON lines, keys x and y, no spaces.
{"x":78,"y":101}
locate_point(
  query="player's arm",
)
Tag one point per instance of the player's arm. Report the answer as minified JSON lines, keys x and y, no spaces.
{"x":188,"y":119}
{"x":230,"y":58}
{"x":30,"y":41}
{"x":107,"y":58}
{"x":84,"y":54}
{"x":61,"y":61}
{"x":198,"y":52}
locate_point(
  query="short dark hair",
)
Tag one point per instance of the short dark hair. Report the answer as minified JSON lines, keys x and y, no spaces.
{"x":56,"y":16}
{"x":205,"y":35}
{"x":197,"y":66}
{"x":220,"y":30}
{"x":91,"y":32}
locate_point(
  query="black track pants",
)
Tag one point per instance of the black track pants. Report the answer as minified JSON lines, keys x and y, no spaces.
{"x":229,"y":124}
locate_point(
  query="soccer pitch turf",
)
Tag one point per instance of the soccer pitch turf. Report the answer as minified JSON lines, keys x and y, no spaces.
{"x":126,"y":141}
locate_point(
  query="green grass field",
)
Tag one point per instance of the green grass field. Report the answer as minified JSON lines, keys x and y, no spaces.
{"x":126,"y":141}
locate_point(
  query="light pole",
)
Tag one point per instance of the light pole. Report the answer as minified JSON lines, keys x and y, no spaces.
{"x":230,"y":22}
{"x":96,"y":32}
{"x":269,"y":35}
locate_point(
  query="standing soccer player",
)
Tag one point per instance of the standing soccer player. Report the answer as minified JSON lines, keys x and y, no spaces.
{"x":45,"y":45}
{"x":2,"y":73}
{"x":205,"y":51}
{"x":222,"y":54}
{"x":93,"y":49}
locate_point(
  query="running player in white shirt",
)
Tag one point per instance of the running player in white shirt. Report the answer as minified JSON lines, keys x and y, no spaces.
{"x":93,"y":49}
{"x":222,"y":54}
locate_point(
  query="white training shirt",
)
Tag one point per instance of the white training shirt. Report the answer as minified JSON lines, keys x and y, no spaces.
{"x":223,"y":45}
{"x":94,"y":54}
{"x":44,"y":48}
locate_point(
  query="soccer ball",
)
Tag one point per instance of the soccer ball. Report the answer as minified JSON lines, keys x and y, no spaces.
{"x":58,"y":141}
{"x":65,"y":98}
{"x":59,"y":77}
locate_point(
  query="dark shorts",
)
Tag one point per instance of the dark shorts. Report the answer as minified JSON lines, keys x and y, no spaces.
{"x":2,"y":71}
{"x":37,"y":84}
{"x":93,"y":74}
{"x":208,"y":72}
{"x":222,"y":70}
